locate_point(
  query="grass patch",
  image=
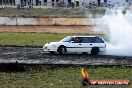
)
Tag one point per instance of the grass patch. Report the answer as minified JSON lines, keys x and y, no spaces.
{"x":32,"y":39}
{"x":50,"y":12}
{"x":41,"y":76}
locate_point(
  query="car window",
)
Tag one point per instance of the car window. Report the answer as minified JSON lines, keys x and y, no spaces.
{"x":86,"y":40}
{"x":77,"y":40}
{"x":97,"y":40}
{"x":67,"y":39}
{"x":91,"y":40}
{"x":83,"y":39}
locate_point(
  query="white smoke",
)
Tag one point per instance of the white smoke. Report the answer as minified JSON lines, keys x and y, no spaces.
{"x":119,"y":24}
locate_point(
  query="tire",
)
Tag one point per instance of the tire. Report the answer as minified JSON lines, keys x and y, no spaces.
{"x":52,"y":52}
{"x":62,"y":49}
{"x":95,"y":51}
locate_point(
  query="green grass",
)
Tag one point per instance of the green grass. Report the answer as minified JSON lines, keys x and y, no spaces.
{"x":32,"y":39}
{"x":27,"y":39}
{"x":61,"y":77}
{"x":50,"y":12}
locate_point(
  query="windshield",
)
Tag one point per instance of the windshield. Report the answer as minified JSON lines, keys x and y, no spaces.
{"x":67,"y":39}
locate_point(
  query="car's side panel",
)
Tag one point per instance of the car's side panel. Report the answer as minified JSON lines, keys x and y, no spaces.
{"x":86,"y":47}
{"x":73,"y":47}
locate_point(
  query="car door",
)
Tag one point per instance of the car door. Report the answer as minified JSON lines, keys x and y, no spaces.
{"x":98,"y":42}
{"x":75,"y":45}
{"x":87,"y":44}
{"x":92,"y":42}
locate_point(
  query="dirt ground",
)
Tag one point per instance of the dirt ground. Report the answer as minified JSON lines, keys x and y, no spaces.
{"x":38,"y":56}
{"x":48,"y":29}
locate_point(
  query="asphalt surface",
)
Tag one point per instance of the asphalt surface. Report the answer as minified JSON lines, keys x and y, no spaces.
{"x":30,"y":55}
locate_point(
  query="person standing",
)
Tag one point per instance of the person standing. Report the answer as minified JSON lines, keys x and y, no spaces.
{"x":77,"y":3}
{"x":72,"y":3}
{"x":109,"y":4}
{"x":102,"y":3}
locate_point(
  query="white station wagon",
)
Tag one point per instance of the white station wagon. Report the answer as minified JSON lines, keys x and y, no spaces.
{"x":84,"y":44}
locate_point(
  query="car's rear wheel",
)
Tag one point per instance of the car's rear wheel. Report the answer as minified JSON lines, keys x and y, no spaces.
{"x":94,"y":51}
{"x":62,"y":49}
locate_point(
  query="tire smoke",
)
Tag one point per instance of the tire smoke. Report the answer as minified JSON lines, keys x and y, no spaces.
{"x":119,"y":24}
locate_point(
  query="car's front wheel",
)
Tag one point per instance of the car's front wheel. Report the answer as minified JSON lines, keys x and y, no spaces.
{"x":62,"y":49}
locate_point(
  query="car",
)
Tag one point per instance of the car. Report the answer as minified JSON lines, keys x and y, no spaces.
{"x":81,"y":44}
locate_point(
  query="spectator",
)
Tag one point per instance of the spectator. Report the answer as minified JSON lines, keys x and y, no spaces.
{"x":109,"y":4}
{"x":77,"y":3}
{"x":93,"y":3}
{"x":72,"y":3}
{"x":102,"y":3}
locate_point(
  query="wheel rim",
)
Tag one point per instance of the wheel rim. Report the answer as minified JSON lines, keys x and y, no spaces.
{"x":63,"y":50}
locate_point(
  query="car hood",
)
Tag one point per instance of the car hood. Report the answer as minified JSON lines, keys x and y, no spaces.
{"x":52,"y":43}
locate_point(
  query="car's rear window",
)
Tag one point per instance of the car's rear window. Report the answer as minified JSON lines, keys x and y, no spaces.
{"x":91,"y":40}
{"x":97,"y":40}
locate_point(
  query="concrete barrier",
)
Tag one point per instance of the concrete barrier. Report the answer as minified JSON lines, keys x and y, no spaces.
{"x":48,"y":21}
{"x":7,"y":21}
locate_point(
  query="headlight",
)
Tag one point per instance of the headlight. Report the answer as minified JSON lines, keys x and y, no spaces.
{"x":46,"y":44}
